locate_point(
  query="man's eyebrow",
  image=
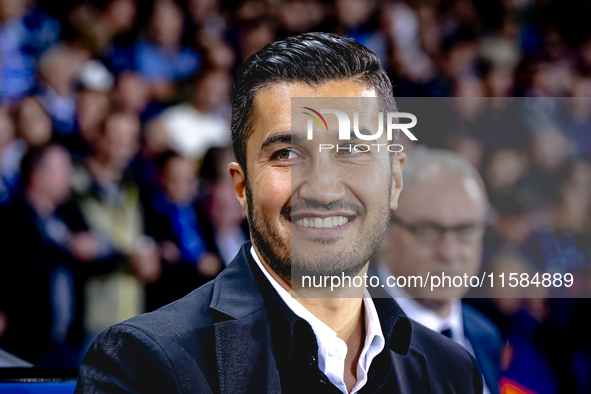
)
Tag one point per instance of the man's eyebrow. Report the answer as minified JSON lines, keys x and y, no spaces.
{"x":365,"y":131}
{"x":283,"y":138}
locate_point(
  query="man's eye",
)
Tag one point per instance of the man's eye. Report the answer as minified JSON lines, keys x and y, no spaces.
{"x":345,"y":150}
{"x":427,"y":232}
{"x":283,"y":154}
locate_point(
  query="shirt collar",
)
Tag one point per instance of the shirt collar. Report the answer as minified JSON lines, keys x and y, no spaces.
{"x":317,"y":325}
{"x":326,"y":338}
{"x":395,"y":327}
{"x":418,"y":312}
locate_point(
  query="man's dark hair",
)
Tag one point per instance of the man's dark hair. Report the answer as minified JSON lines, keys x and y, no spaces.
{"x":312,"y":58}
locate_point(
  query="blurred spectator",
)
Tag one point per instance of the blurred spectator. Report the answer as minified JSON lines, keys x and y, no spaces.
{"x":45,"y":247}
{"x":174,"y":224}
{"x":226,"y":219}
{"x":7,"y":133}
{"x":259,"y":33}
{"x":59,"y":68}
{"x":33,"y":123}
{"x":160,"y":59}
{"x":579,"y":122}
{"x":227,"y":227}
{"x":156,"y":141}
{"x":93,"y":105}
{"x":359,"y":19}
{"x":99,"y":25}
{"x":33,"y":128}
{"x":504,"y":169}
{"x":207,"y":29}
{"x":539,"y":75}
{"x":109,"y":199}
{"x":203,"y":122}
{"x":300,"y":16}
{"x":408,"y":56}
{"x":25,"y":32}
{"x":564,"y":237}
{"x":512,"y":225}
{"x":156,"y":138}
{"x":460,"y":52}
{"x":502,"y":49}
{"x":206,"y":19}
{"x":521,"y":312}
{"x":131,"y":93}
{"x":498,"y":80}
{"x":438,"y":228}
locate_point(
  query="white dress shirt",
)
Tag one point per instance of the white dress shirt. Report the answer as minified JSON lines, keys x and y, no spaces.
{"x":454,"y":321}
{"x":332,"y":350}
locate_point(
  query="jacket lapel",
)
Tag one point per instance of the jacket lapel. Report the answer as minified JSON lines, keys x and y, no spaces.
{"x":245,"y":358}
{"x":408,"y":364}
{"x":244,"y":351}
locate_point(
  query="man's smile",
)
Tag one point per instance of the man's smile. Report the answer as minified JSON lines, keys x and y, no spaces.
{"x":318,"y":222}
{"x":324,"y":223}
{"x":312,"y":220}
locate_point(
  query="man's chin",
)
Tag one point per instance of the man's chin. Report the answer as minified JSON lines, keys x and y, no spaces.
{"x":309,"y":248}
{"x":315,"y":265}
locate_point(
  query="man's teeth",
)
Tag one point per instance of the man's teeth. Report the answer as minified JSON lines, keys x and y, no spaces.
{"x":334,"y":221}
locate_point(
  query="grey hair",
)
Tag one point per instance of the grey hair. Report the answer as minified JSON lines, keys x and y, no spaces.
{"x":423,"y":163}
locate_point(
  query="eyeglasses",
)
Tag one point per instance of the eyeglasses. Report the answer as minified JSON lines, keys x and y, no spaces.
{"x":430,"y":233}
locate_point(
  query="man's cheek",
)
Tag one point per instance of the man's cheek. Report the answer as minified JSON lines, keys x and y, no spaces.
{"x":473,"y":262}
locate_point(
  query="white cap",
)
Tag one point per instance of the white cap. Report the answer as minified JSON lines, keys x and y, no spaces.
{"x":96,"y":76}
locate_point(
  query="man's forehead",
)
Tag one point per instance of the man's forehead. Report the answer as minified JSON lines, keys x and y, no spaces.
{"x":272,"y":106}
{"x":452,"y":196}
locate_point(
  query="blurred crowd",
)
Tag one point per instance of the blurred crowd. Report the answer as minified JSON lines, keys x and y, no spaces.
{"x":114,"y":116}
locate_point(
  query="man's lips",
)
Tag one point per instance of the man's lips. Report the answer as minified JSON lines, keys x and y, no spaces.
{"x":325,"y":220}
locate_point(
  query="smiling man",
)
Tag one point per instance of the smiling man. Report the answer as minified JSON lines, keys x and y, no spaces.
{"x":310,"y":212}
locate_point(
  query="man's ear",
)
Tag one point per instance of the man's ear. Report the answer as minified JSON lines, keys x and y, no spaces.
{"x":238,"y":177}
{"x":397,"y":165}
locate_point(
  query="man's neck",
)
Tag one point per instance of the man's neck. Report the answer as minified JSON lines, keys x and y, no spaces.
{"x":342,"y":315}
{"x":441,"y":307}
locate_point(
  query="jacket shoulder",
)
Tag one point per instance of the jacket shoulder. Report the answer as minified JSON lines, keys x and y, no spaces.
{"x":477,"y":321}
{"x":180,"y":317}
{"x":125,"y":359}
{"x":169,"y":350}
{"x":447,"y":362}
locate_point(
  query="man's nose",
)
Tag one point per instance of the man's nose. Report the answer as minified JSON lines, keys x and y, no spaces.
{"x":322,"y":181}
{"x":449,"y":247}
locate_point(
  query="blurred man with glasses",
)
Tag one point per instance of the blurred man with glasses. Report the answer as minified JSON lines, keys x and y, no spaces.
{"x":438,"y":229}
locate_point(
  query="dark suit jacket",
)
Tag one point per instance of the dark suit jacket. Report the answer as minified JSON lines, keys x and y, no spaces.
{"x":218,"y":340}
{"x":487,"y":342}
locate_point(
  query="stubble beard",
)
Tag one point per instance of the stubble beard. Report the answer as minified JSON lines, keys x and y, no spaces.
{"x":291,"y":265}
